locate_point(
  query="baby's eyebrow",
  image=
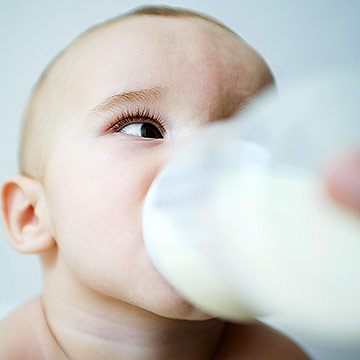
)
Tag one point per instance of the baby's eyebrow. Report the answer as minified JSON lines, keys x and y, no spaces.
{"x":113,"y":102}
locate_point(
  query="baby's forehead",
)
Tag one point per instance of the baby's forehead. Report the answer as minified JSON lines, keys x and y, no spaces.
{"x":148,"y":38}
{"x":150,"y":51}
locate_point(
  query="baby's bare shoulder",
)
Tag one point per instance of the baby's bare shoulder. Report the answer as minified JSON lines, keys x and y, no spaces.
{"x":257,"y":342}
{"x":24,"y":333}
{"x":17,"y":336}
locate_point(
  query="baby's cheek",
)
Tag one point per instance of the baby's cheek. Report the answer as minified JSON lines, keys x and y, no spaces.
{"x":98,"y":220}
{"x":96,"y":200}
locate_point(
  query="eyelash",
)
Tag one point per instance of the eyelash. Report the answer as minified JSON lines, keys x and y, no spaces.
{"x":141,"y":115}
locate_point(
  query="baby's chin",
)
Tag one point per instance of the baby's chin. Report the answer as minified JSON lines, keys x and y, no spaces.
{"x":194,"y":314}
{"x":176,"y":307}
{"x":191,"y":313}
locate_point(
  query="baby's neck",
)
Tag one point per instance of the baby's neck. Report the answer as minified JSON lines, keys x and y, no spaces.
{"x":87,"y":326}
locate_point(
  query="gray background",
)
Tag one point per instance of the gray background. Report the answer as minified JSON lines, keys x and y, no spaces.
{"x":295,"y":37}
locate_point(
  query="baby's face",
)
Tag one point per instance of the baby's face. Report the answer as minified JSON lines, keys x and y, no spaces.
{"x":135,"y":90}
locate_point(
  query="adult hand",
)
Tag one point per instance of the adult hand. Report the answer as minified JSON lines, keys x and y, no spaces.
{"x":344,"y":181}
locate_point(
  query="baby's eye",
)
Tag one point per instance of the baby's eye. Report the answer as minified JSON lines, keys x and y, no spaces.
{"x":144,"y":129}
{"x":141,"y":123}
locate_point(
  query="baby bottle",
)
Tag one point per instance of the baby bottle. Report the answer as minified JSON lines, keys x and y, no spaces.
{"x":239,"y":220}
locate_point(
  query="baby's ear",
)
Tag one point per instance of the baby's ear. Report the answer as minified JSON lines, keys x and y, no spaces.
{"x":25,"y":215}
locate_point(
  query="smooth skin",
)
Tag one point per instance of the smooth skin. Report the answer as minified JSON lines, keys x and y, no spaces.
{"x":102,"y":297}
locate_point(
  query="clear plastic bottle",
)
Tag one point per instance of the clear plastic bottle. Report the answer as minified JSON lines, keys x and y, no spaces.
{"x":239,"y":220}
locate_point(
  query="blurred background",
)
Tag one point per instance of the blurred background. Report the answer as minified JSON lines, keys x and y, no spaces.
{"x":295,"y":37}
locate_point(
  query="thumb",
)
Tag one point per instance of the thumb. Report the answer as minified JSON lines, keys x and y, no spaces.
{"x":343,"y":182}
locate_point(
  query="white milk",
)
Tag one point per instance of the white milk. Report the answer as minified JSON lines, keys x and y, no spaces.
{"x":293,"y":251}
{"x":263,"y":243}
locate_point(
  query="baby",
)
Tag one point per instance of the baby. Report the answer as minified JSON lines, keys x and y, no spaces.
{"x":102,"y":120}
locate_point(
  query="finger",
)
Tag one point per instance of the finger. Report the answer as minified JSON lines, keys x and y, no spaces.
{"x":343,"y":182}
